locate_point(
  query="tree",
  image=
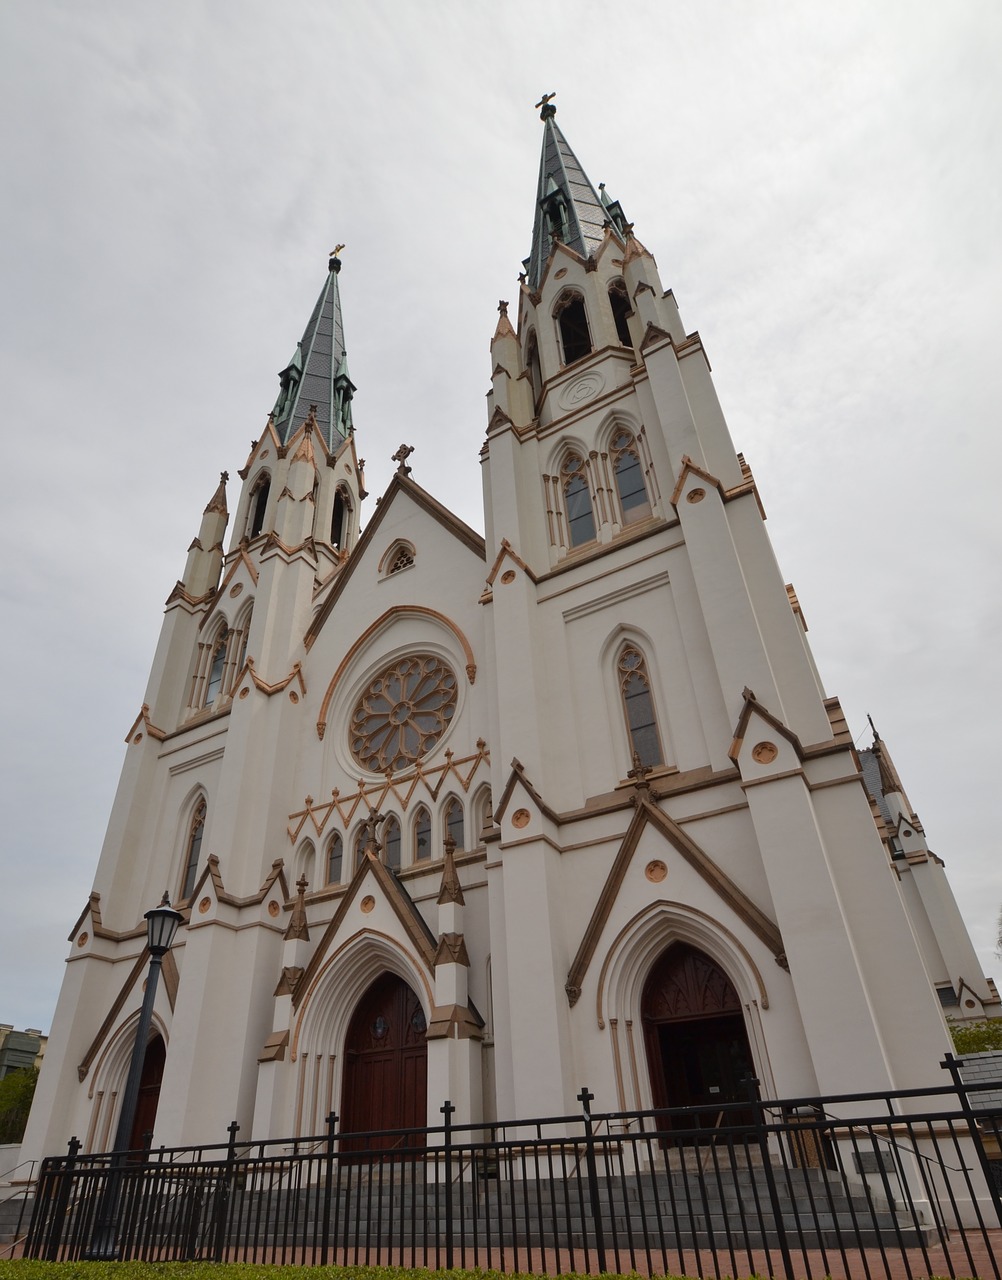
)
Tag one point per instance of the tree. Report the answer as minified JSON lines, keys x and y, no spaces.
{"x":16,"y":1092}
{"x":977,"y":1037}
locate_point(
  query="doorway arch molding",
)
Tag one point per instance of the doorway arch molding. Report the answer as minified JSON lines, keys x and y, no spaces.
{"x":108,"y":1078}
{"x":641,"y":941}
{"x":630,"y":959}
{"x":343,"y":979}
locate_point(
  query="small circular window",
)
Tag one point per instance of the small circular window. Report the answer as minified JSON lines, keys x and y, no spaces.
{"x":403,"y":713}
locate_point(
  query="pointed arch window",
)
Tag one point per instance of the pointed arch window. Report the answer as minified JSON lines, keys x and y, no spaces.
{"x":258,"y":506}
{"x":391,"y":844}
{"x":339,"y":519}
{"x":193,"y":848}
{"x":577,"y":501}
{"x":621,"y":310}
{"x":534,"y":368}
{"x":572,"y":323}
{"x":485,"y":810}
{"x":422,"y":835}
{"x":633,"y":499}
{"x":360,"y":838}
{"x":638,"y":706}
{"x":335,"y":858}
{"x":307,"y":860}
{"x":217,"y":666}
{"x":242,"y":636}
{"x":454,"y":823}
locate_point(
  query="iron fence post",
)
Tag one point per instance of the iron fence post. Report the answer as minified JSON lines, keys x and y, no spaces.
{"x":328,"y":1187}
{"x":758,"y":1111}
{"x":585,"y":1097}
{"x":447,"y":1110}
{"x":62,"y":1204}
{"x":952,"y":1064}
{"x":221,"y":1206}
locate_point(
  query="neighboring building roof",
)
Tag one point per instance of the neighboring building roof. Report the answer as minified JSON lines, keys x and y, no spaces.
{"x":564,"y":183}
{"x":19,"y":1049}
{"x":317,"y":374}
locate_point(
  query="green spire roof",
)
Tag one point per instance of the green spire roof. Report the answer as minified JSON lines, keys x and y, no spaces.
{"x":568,"y":207}
{"x":317,"y":374}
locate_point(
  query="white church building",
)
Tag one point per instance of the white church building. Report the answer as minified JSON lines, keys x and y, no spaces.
{"x":489,"y":817}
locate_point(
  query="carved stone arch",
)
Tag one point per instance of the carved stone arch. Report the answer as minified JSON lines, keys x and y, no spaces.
{"x":634,"y":953}
{"x":318,"y":1036}
{"x":561,"y":448}
{"x":107,"y":1081}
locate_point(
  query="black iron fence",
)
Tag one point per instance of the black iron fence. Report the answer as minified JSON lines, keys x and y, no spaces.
{"x":887,"y":1184}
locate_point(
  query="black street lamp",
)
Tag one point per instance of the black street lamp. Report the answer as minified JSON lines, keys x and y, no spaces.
{"x":161,"y":927}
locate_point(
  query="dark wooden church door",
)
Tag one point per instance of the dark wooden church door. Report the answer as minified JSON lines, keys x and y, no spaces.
{"x":385,"y":1065}
{"x":149,"y":1094}
{"x":694,"y":1030}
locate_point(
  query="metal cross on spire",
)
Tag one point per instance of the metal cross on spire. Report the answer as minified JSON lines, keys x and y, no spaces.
{"x":544,"y":102}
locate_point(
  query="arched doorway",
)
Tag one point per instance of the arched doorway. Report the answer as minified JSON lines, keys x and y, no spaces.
{"x":149,"y":1094}
{"x":385,"y":1063}
{"x":694,"y":1031}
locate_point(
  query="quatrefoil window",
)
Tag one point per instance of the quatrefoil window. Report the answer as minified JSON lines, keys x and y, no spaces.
{"x":403,"y":713}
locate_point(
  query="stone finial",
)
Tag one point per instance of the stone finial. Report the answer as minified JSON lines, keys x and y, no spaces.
{"x":504,"y":329}
{"x":639,"y":772}
{"x":400,"y":457}
{"x":298,"y":929}
{"x":217,"y":503}
{"x":452,"y":890}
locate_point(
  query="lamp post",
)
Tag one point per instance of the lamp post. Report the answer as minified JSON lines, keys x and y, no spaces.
{"x":161,"y":927}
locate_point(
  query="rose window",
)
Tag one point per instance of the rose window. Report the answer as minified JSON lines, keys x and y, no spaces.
{"x":403,"y":713}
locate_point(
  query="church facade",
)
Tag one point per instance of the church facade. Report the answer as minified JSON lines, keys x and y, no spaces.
{"x":489,"y":818}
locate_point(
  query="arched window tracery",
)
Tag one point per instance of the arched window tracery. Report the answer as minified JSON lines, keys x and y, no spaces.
{"x":638,"y":706}
{"x":193,"y":849}
{"x":634,"y":500}
{"x":577,"y":500}
{"x":217,"y":667}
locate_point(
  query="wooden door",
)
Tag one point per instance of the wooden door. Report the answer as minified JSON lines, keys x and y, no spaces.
{"x":385,"y":1066}
{"x":694,"y":1030}
{"x":149,"y":1094}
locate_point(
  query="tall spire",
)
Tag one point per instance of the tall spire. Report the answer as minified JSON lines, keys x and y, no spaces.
{"x":568,"y":208}
{"x":317,"y":374}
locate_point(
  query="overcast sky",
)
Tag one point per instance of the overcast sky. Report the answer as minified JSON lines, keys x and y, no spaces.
{"x":821,"y":186}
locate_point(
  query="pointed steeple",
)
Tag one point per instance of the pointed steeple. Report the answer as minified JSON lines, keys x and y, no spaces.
{"x":317,"y":374}
{"x":568,"y":208}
